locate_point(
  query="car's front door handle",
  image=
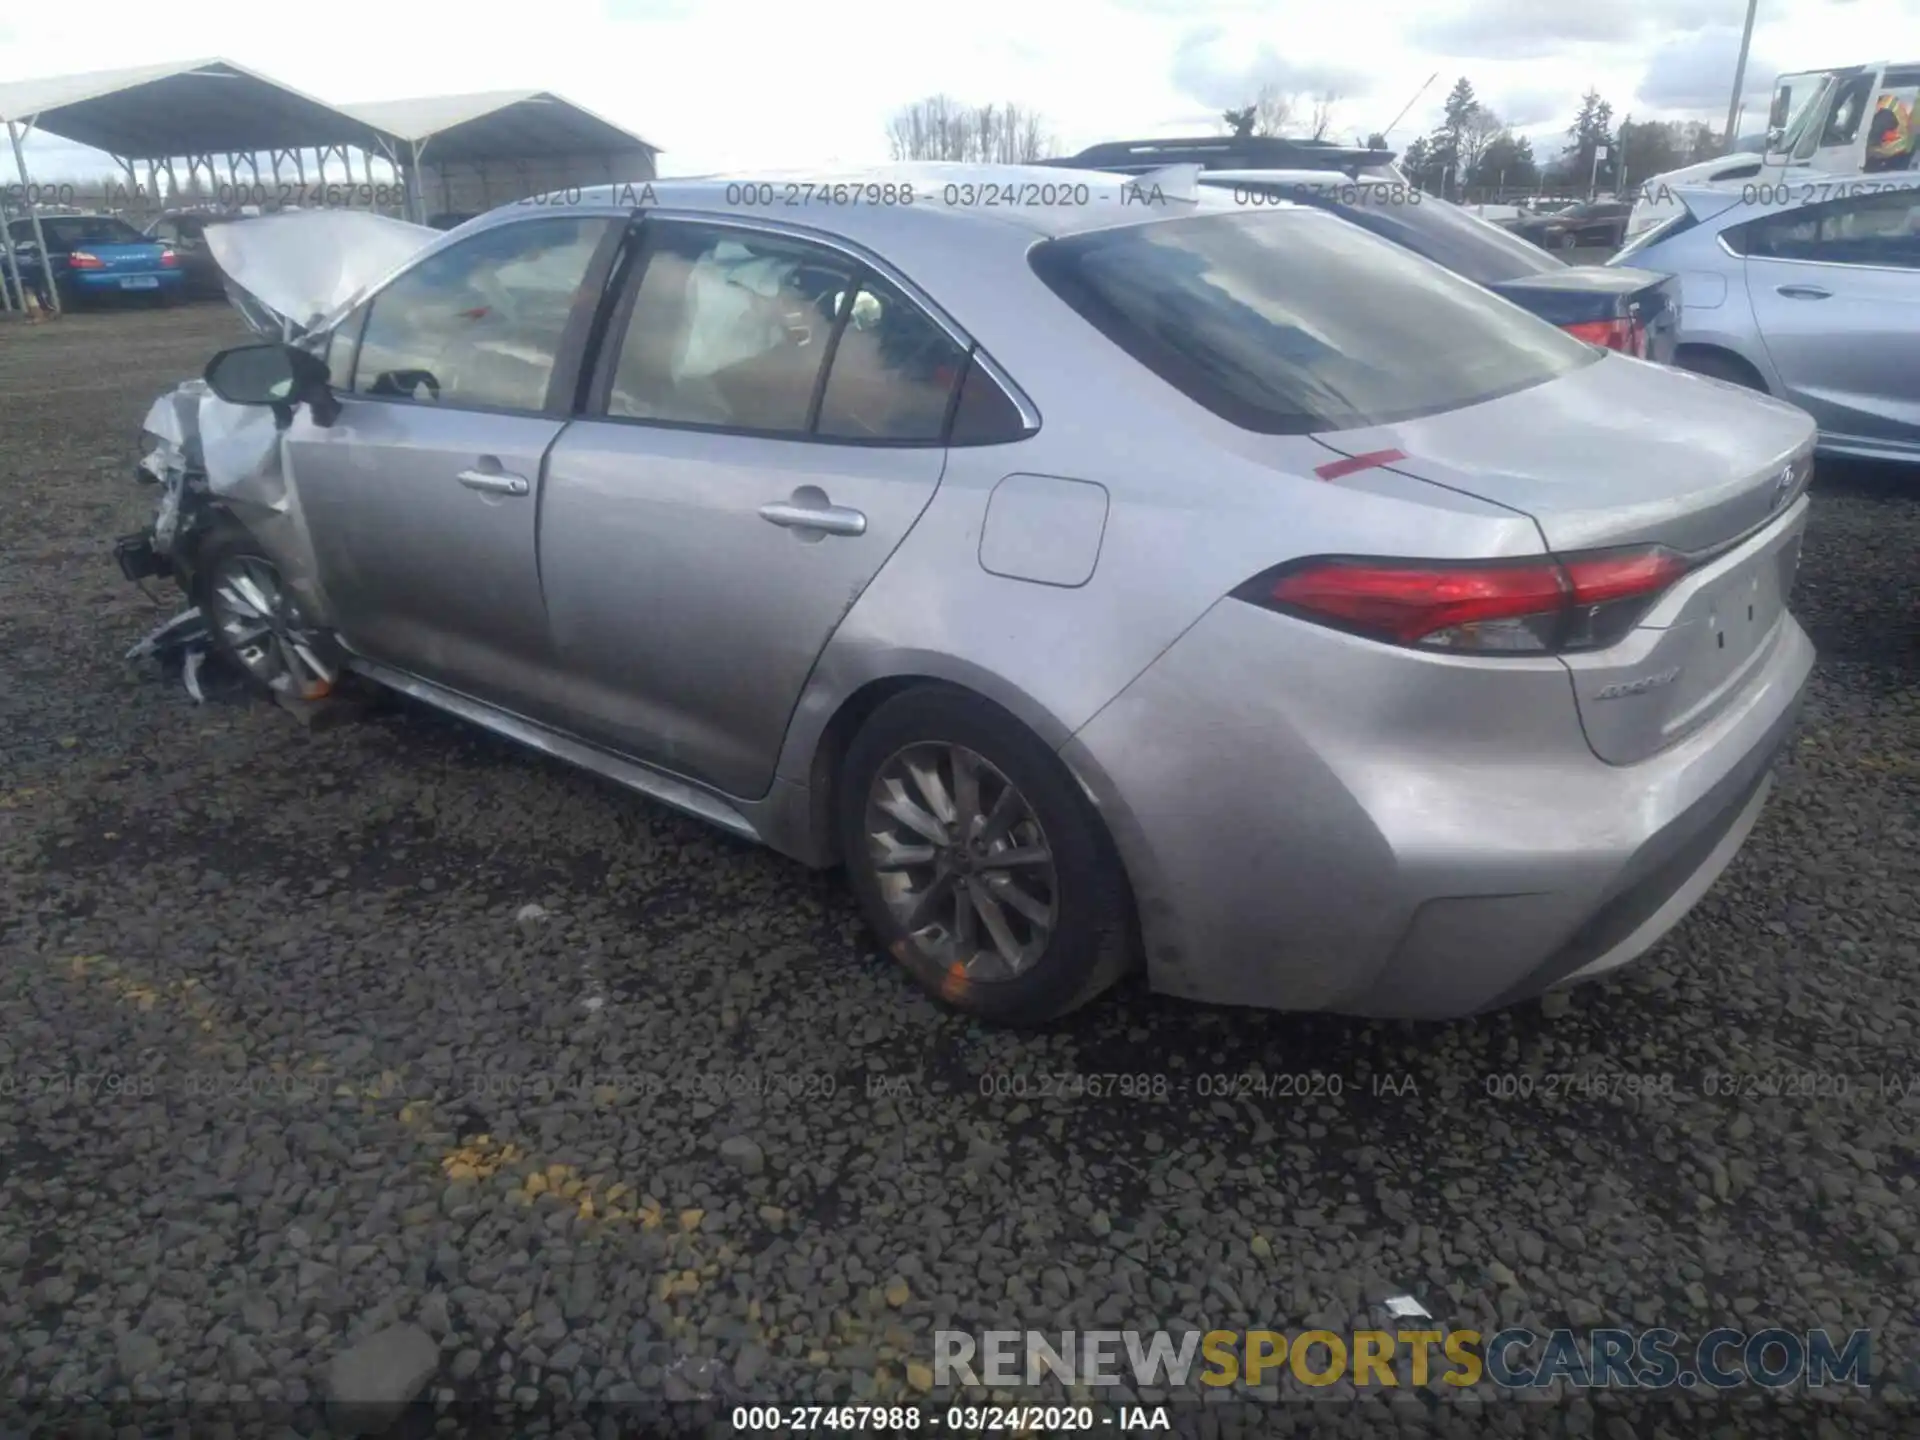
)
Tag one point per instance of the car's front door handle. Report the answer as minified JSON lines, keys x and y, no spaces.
{"x":1803,"y":292}
{"x":493,"y":484}
{"x":828,"y":519}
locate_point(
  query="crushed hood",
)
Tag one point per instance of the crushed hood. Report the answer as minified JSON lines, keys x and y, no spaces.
{"x":286,"y":272}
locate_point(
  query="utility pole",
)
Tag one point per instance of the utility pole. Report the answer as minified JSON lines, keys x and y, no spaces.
{"x":1739,"y":78}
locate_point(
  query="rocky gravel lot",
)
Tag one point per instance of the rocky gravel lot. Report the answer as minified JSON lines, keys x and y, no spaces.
{"x":397,"y":1031}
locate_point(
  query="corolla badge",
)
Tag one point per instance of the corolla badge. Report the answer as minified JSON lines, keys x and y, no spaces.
{"x":1620,"y":689}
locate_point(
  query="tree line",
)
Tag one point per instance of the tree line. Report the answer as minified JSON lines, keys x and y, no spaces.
{"x":1471,"y":149}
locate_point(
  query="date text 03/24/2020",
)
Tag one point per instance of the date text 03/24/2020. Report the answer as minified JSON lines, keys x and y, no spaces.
{"x":961,"y":1419}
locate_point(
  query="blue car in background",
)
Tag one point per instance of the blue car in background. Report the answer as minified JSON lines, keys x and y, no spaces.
{"x":94,"y":256}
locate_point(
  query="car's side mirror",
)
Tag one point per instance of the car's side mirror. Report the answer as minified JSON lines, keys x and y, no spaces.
{"x":281,"y":376}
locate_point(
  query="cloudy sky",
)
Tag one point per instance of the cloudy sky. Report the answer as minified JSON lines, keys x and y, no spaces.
{"x":738,"y":86}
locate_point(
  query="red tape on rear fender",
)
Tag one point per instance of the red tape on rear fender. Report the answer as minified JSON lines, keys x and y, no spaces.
{"x":1353,"y":464}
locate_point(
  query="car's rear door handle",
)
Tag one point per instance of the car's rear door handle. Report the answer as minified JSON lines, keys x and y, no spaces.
{"x":1803,"y":292}
{"x":493,"y":484}
{"x":828,"y":519}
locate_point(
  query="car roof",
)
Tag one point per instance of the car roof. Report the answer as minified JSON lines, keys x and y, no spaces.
{"x":1043,"y":201}
{"x":1322,"y":179}
{"x":1220,"y":152}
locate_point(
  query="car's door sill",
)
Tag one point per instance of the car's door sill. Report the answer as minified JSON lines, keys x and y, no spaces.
{"x":654,"y":784}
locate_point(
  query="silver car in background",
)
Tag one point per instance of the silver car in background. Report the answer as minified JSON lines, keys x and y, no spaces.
{"x":1102,"y":577}
{"x":1808,"y":289}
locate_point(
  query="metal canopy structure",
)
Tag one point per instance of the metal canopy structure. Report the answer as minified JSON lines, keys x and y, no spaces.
{"x":193,"y":110}
{"x":196,"y":107}
{"x":472,"y":152}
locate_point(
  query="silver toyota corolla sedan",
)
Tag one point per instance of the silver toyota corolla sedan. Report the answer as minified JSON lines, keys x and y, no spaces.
{"x":1104,"y":575}
{"x":1806,"y":287}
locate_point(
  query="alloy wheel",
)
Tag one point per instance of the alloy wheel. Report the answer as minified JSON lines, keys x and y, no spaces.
{"x":962,"y":861}
{"x":261,"y":626}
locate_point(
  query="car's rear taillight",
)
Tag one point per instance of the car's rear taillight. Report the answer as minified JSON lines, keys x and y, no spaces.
{"x":167,"y":258}
{"x":1528,"y":607}
{"x":85,"y":260}
{"x":1629,"y":337}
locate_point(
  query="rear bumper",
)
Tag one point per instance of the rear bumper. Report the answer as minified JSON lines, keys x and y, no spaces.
{"x":119,"y":282}
{"x":1403,"y":836}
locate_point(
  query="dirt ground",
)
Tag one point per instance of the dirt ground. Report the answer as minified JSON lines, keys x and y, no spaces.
{"x":308,"y":1036}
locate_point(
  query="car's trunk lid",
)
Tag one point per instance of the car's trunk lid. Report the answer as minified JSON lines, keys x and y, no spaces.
{"x":1696,"y":652}
{"x":1618,"y":452}
{"x":1703,"y":468}
{"x":127,"y":257}
{"x":1580,"y":294}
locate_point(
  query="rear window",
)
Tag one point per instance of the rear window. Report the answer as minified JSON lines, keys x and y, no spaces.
{"x":1445,"y":234}
{"x":1292,"y":321}
{"x":66,"y":232}
{"x":1670,"y":228}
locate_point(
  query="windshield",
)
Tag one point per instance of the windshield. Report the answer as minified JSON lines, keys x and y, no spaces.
{"x":1444,"y":233}
{"x":1293,"y":321}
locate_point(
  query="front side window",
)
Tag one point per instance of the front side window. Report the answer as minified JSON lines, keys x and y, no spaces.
{"x":481,"y":323}
{"x":1848,"y":109}
{"x":1293,"y":321}
{"x":1881,"y":230}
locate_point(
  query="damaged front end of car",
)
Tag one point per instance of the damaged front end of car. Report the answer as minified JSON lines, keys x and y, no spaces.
{"x":221,"y":467}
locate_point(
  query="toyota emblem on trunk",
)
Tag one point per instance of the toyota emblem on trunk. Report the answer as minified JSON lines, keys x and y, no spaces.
{"x":1782,"y":487}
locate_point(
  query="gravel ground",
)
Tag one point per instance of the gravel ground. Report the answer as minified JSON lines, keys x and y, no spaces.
{"x":291,"y":1019}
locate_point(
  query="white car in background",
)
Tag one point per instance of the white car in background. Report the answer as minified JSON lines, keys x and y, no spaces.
{"x":1659,"y":199}
{"x":1809,"y":292}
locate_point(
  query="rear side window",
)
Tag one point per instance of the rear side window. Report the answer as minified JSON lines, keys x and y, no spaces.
{"x":745,"y":331}
{"x":730,"y":329}
{"x":986,"y":414}
{"x":1880,"y":229}
{"x":1290,"y":322}
{"x":892,"y":374}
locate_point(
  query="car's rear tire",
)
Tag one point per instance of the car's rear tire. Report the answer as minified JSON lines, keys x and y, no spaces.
{"x":1719,"y":365}
{"x":983,"y":869}
{"x":255,"y":621}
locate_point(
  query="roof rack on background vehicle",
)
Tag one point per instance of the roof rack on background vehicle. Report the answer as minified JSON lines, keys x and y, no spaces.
{"x":1224,"y":152}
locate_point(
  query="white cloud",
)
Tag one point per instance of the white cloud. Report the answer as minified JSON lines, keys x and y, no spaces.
{"x":1695,"y":72}
{"x":726,"y":85}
